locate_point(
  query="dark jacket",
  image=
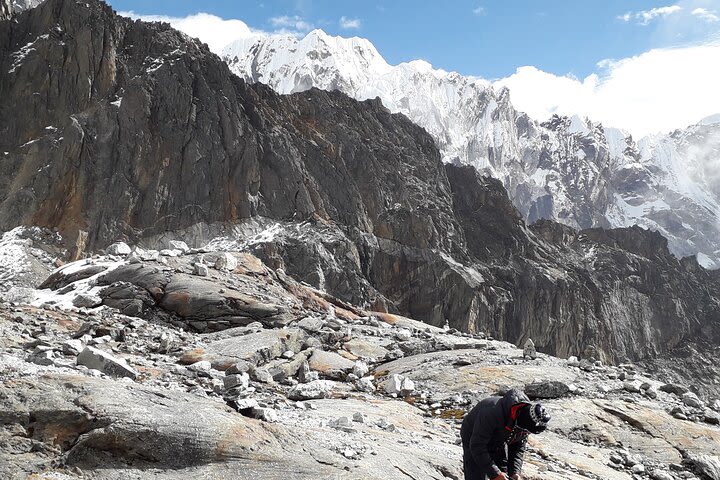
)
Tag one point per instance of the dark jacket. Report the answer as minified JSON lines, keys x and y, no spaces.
{"x":488,"y":446}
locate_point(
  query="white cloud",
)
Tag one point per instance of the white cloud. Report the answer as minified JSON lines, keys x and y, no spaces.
{"x":213,"y":30}
{"x":291,"y":24}
{"x":657,"y":91}
{"x":644,"y":17}
{"x":349,"y":23}
{"x":479,"y":11}
{"x":706,"y":15}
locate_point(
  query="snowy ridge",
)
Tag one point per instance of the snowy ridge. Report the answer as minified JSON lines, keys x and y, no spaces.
{"x":571,"y":170}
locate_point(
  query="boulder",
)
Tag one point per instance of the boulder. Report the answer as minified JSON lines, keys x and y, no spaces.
{"x":256,"y":348}
{"x":178,"y":245}
{"x":707,"y":466}
{"x":97,"y":359}
{"x":330,"y":364}
{"x":226,"y":261}
{"x":372,"y":351}
{"x":692,"y":400}
{"x":547,"y":389}
{"x":118,"y":248}
{"x":674,"y":388}
{"x":85,"y":300}
{"x":312,"y":390}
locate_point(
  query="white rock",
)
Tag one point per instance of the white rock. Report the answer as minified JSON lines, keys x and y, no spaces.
{"x":178,"y":245}
{"x":201,"y":366}
{"x":106,"y":363}
{"x":311,"y":390}
{"x":265,"y":414}
{"x":393,"y":384}
{"x":243,"y":403}
{"x":360,"y":368}
{"x":201,"y":270}
{"x":692,"y":400}
{"x":72,"y":346}
{"x":226,"y":261}
{"x":407,"y":386}
{"x":118,"y":248}
{"x":637,"y":468}
{"x":403,"y":335}
{"x":573,"y":362}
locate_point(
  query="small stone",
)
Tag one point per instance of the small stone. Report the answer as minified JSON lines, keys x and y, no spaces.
{"x":658,"y":474}
{"x":237,"y":380}
{"x":44,"y":358}
{"x":118,"y":248}
{"x":85,"y":300}
{"x":529,"y":349}
{"x":245,"y":403}
{"x":360,"y":369}
{"x":365,"y":384}
{"x":241,"y":366}
{"x":201,"y":270}
{"x":201,"y":366}
{"x":392,"y":384}
{"x":692,"y":400}
{"x":631,"y":386}
{"x":403,"y":335}
{"x":637,"y":468}
{"x":358,"y":417}
{"x":288,"y":354}
{"x":265,"y":414}
{"x":261,"y":374}
{"x":711,"y":417}
{"x":573,"y":361}
{"x":72,"y":347}
{"x":407,"y":386}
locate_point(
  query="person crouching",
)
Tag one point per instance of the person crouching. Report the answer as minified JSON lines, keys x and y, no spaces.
{"x":494,"y":436}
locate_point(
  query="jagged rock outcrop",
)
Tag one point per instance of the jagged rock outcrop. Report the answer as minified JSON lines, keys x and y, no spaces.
{"x":138,"y":131}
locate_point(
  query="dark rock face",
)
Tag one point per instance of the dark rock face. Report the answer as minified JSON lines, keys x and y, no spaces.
{"x":127,"y":130}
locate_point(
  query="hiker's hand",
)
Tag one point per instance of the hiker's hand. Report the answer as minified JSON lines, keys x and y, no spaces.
{"x":516,"y":476}
{"x":501,"y":476}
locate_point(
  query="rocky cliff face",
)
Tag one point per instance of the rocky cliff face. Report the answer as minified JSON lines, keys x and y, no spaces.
{"x":123,"y":129}
{"x":571,"y":170}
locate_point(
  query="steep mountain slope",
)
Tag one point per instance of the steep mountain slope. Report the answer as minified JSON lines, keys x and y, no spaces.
{"x":567,"y":169}
{"x":122,"y":129}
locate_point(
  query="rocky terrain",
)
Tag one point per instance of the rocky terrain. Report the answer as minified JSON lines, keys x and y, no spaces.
{"x":571,"y":170}
{"x":139,"y":133}
{"x":201,"y":277}
{"x":207,"y":363}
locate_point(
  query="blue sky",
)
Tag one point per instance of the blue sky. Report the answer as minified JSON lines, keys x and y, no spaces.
{"x":489,"y":39}
{"x":646,"y":66}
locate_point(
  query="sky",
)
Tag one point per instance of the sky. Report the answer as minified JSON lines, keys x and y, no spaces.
{"x":646,"y":66}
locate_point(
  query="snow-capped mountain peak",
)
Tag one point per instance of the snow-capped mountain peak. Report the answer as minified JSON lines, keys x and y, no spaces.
{"x":571,"y":169}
